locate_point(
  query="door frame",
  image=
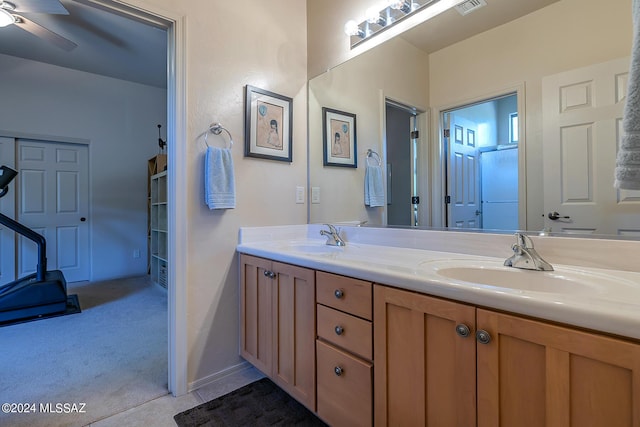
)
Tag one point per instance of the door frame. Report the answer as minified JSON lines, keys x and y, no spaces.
{"x":439,"y":152}
{"x":423,"y":186}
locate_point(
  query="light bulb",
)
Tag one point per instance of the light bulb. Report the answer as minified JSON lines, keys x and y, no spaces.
{"x":402,"y":5}
{"x":372,"y":15}
{"x":6,"y":18}
{"x":351,"y":28}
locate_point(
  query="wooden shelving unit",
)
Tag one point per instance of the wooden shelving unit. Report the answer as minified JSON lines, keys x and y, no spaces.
{"x":158,"y":231}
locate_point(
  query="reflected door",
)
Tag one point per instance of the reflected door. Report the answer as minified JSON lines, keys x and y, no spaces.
{"x":582,"y":125}
{"x":54,"y":201}
{"x":400,"y":122}
{"x":463,"y":180}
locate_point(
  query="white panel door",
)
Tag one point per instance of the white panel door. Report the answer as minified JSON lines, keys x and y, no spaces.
{"x":54,"y":201}
{"x":582,"y":128}
{"x":7,"y":207}
{"x":463,"y":178}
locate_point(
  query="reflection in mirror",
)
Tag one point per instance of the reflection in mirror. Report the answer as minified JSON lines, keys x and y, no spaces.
{"x":520,"y":56}
{"x":481,"y":155}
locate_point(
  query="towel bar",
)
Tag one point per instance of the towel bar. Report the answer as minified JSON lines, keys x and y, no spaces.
{"x":371,"y":154}
{"x":216,"y":129}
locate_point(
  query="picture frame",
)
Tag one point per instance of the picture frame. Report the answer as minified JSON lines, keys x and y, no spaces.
{"x":339,"y":138}
{"x":268,"y":122}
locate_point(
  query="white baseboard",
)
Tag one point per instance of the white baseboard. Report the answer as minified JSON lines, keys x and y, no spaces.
{"x":210,"y":379}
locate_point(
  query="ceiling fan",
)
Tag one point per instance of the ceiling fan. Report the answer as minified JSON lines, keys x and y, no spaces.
{"x":10,"y":13}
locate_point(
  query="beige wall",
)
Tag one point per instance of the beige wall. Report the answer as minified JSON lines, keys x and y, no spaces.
{"x":565,"y":35}
{"x":359,"y":86}
{"x":228,"y":46}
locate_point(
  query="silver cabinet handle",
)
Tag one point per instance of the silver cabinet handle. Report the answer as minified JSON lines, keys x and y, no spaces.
{"x":463,"y":330}
{"x":339,"y":330}
{"x":339,"y":293}
{"x":270,"y":274}
{"x":338,"y":370}
{"x":483,"y":337}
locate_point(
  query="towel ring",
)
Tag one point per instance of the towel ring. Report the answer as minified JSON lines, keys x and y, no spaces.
{"x":373,"y":155}
{"x":216,"y":129}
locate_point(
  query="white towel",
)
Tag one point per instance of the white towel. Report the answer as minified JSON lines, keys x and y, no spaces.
{"x":373,"y":186}
{"x":627,"y":175}
{"x":219,"y":181}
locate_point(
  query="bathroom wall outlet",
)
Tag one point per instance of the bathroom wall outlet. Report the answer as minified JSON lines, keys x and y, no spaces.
{"x":315,"y":195}
{"x":299,"y":195}
{"x":136,"y":253}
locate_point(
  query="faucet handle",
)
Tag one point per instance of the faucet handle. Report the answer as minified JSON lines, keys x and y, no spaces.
{"x":332,"y":229}
{"x":524,"y":241}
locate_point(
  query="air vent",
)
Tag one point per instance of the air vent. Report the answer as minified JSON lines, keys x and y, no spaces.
{"x":469,"y":6}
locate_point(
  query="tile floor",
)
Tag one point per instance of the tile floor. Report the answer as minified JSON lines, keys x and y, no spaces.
{"x":159,"y":412}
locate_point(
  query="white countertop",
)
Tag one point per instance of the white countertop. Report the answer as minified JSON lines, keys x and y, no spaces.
{"x":609,"y":301}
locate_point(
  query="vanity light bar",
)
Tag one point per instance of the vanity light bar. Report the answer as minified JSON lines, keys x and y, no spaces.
{"x":377,"y":20}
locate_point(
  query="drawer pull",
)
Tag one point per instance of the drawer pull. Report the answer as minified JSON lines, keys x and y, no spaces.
{"x":339,"y":330}
{"x":338,"y":370}
{"x":483,"y":337}
{"x":339,"y":293}
{"x":463,"y":330}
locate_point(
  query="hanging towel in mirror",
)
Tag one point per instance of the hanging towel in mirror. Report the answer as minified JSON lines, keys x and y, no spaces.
{"x":373,"y":186}
{"x":627,"y":175}
{"x":219,"y":180}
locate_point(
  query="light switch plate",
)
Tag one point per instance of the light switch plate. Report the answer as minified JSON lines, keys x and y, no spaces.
{"x":315,"y":195}
{"x":299,"y":195}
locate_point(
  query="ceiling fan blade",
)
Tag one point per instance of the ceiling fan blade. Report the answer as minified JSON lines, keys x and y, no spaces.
{"x":42,"y":32}
{"x":38,"y":6}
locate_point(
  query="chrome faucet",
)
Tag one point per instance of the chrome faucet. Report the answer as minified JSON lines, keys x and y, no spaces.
{"x":525,"y":256}
{"x":333,"y":236}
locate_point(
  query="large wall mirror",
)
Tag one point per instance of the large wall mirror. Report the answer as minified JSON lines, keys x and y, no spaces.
{"x":499,"y":88}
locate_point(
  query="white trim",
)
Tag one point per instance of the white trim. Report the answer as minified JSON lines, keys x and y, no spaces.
{"x":210,"y":379}
{"x":177,"y":197}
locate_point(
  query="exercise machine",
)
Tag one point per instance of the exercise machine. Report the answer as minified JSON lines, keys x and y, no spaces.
{"x":40,"y":294}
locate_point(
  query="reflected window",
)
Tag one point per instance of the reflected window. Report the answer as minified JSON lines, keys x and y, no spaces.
{"x":513,"y":128}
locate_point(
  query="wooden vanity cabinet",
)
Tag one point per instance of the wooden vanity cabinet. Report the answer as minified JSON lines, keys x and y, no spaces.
{"x":277,"y":334}
{"x":424,"y":372}
{"x":344,"y":349}
{"x":533,"y":373}
{"x":527,"y":372}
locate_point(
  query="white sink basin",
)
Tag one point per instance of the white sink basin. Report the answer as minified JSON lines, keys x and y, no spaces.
{"x":565,"y":281}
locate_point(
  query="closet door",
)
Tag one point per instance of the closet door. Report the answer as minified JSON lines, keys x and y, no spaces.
{"x":54,"y":201}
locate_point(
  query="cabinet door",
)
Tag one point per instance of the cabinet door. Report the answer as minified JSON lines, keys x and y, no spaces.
{"x":425,"y":373}
{"x":294,"y":332}
{"x":536,"y":374}
{"x":256,"y":302}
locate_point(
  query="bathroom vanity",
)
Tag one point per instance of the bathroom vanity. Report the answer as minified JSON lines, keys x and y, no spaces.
{"x":395,"y":333}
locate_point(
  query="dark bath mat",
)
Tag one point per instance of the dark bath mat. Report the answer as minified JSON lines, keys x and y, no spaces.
{"x":261,"y":403}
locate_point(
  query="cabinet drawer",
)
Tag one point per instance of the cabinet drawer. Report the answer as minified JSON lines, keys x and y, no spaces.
{"x":344,"y":387}
{"x":344,"y":293}
{"x":349,"y":332}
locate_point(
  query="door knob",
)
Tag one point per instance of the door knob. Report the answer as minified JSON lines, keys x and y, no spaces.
{"x":556,"y":216}
{"x":83,"y":219}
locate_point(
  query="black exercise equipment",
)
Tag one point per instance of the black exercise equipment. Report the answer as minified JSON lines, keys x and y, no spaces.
{"x":43,"y":293}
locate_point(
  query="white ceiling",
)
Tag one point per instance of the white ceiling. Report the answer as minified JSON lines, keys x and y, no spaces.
{"x":109,"y":44}
{"x":451,"y":27}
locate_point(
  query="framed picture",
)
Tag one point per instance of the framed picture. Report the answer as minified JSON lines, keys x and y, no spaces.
{"x":268,"y":124}
{"x":339,"y":138}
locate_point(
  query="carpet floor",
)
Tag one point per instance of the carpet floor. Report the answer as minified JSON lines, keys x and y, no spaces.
{"x":259,"y":404}
{"x":111,"y":357}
